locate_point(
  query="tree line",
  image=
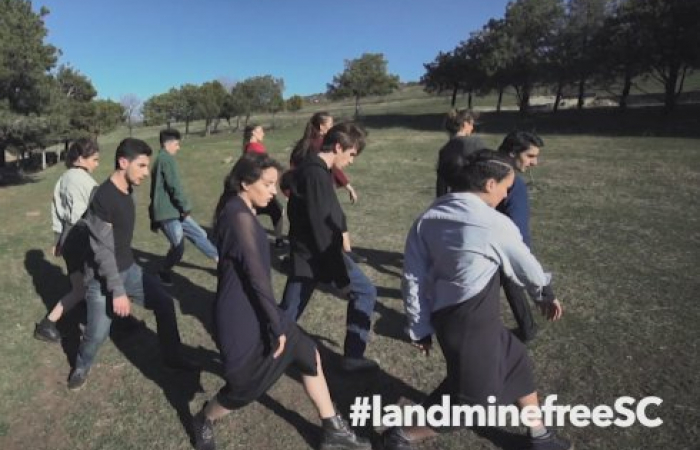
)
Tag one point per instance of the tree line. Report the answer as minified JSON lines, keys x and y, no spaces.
{"x":568,"y":46}
{"x":42,"y":104}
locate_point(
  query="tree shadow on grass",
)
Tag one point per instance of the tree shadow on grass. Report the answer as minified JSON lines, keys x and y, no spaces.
{"x":179,"y":387}
{"x":50,"y":283}
{"x":638,"y":121}
{"x":194,"y":300}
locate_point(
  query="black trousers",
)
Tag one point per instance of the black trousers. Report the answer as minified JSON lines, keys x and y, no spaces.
{"x":519,"y":304}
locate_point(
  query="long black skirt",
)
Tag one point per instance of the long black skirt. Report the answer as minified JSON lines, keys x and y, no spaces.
{"x":483,"y":358}
{"x":257,"y":375}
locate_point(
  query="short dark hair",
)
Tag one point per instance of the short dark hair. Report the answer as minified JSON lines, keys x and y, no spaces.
{"x":131,"y":148}
{"x":82,"y":147}
{"x":469,"y":172}
{"x":517,"y":142}
{"x":347,"y":134}
{"x":170,"y":134}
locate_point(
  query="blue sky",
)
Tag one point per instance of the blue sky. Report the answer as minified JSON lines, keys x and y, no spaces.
{"x":145,"y":47}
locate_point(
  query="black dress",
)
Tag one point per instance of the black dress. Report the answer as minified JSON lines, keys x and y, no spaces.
{"x":247,"y":319}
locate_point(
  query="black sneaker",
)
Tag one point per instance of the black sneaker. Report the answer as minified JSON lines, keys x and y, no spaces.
{"x":182,"y":363}
{"x":337,"y":434}
{"x":358,"y":259}
{"x":166,"y":277}
{"x":280,"y":244}
{"x":358,"y":364}
{"x":550,"y":441}
{"x":47,"y":331}
{"x":78,"y":378}
{"x":203,"y":432}
{"x":395,"y":439}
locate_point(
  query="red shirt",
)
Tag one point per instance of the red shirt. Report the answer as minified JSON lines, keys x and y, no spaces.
{"x":255,"y":147}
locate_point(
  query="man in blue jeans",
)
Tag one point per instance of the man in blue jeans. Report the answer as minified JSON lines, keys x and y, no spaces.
{"x":170,"y":208}
{"x":316,"y":226}
{"x":113,"y":279}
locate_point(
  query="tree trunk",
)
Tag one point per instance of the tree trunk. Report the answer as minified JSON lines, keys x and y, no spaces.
{"x":454,"y":97}
{"x":469,"y":101}
{"x":500,"y":99}
{"x":187,"y":126}
{"x":273,"y":121}
{"x":581,"y":92}
{"x":670,"y":88}
{"x":357,"y":107}
{"x":557,"y":98}
{"x":3,"y":160}
{"x":524,"y":100}
{"x":238,"y":122}
{"x":626,"y":91}
{"x":207,"y":124}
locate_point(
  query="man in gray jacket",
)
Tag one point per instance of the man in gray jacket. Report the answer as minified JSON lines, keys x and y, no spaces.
{"x":113,"y":279}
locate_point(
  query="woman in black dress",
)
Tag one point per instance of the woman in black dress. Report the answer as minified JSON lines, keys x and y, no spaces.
{"x":256,"y":342}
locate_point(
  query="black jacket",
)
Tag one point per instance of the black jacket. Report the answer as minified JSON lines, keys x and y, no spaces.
{"x":316,"y":224}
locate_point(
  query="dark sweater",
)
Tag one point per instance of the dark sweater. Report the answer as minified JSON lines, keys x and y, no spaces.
{"x":517,"y":206}
{"x":316,"y":224}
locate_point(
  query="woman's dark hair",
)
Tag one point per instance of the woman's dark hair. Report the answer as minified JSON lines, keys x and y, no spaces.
{"x":311,"y":132}
{"x":248,"y":134}
{"x":247,"y":169}
{"x":457,"y":117}
{"x":468,"y":172}
{"x":131,"y":148}
{"x":347,"y":134}
{"x":517,"y":142}
{"x":82,"y":147}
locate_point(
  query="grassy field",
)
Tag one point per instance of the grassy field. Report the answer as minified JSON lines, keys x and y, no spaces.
{"x":615,"y":217}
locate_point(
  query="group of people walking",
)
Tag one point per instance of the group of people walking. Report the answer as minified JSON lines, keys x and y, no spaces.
{"x":458,"y":254}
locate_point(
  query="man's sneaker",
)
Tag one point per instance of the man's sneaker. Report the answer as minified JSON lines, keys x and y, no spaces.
{"x":550,"y":441}
{"x":181,"y":363}
{"x":78,"y":378}
{"x":358,"y":364}
{"x":395,"y":439}
{"x":280,"y":244}
{"x":166,"y":277}
{"x":358,"y":259}
{"x":47,"y":331}
{"x":203,"y":429}
{"x":338,"y":435}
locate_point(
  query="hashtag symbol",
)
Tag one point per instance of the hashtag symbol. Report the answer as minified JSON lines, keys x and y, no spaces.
{"x":360,"y":411}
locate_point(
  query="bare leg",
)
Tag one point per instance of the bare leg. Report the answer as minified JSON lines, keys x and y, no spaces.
{"x":317,"y":390}
{"x":214,"y":411}
{"x":347,"y":247}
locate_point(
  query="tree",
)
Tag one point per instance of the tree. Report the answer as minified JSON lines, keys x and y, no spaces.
{"x":258,"y":94}
{"x":366,"y":75}
{"x":186,"y":104}
{"x":531,"y":26}
{"x":130,"y":103}
{"x":108,"y":115}
{"x":670,"y":36}
{"x":232,"y":107}
{"x":78,"y":93}
{"x":295,"y":103}
{"x":495,"y":50}
{"x":25,"y":81}
{"x":212,"y":96}
{"x":276,"y":105}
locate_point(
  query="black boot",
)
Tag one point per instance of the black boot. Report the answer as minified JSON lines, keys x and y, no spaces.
{"x":395,"y":439}
{"x":338,"y":435}
{"x":203,"y":429}
{"x":47,"y":331}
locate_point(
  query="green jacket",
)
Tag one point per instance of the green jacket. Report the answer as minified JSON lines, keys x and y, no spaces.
{"x":168,"y":199}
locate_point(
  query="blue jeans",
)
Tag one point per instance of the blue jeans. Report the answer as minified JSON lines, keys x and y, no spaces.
{"x":361,"y":302}
{"x":176,"y":230}
{"x":143,"y":289}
